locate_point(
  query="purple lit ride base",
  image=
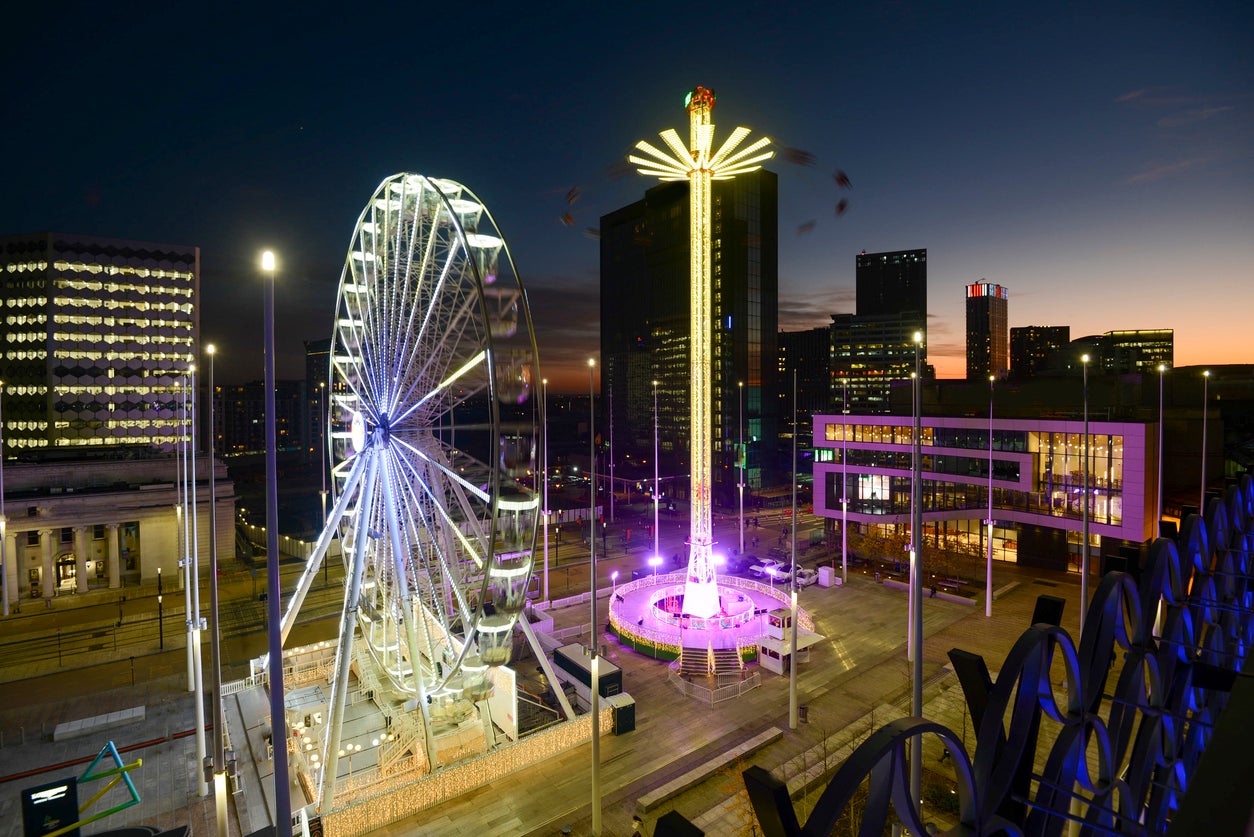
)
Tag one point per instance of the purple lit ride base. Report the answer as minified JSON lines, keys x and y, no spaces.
{"x":650,"y":610}
{"x":735,"y":609}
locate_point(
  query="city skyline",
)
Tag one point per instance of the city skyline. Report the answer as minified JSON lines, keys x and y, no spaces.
{"x":1095,"y":162}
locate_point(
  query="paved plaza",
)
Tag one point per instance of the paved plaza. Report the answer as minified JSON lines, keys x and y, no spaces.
{"x":857,"y":677}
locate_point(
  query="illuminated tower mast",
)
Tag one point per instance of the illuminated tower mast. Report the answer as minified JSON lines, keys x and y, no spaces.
{"x":699,"y":166}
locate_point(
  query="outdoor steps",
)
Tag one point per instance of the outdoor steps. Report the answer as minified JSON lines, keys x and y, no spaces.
{"x":695,"y":662}
{"x":727,"y":661}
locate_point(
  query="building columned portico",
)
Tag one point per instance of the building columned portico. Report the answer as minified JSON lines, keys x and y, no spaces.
{"x":76,"y":525}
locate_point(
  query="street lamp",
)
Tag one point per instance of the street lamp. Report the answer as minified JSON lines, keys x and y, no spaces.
{"x":544,"y":419}
{"x":614,"y":582}
{"x":1084,"y":547}
{"x":194,"y":584}
{"x":656,"y":498}
{"x":655,"y":562}
{"x":916,"y":576}
{"x":215,"y":636}
{"x":1158,"y":525}
{"x":278,"y":723}
{"x":160,"y":615}
{"x":592,"y":629}
{"x":792,"y":573}
{"x":1201,"y":500}
{"x":988,"y":573}
{"x":322,"y":443}
{"x":610,"y":416}
{"x":844,"y":481}
{"x":740,"y":460}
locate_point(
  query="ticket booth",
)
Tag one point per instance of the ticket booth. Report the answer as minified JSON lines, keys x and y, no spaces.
{"x":775,"y":648}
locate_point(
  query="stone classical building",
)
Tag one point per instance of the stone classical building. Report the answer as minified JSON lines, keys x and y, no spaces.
{"x":75,"y":524}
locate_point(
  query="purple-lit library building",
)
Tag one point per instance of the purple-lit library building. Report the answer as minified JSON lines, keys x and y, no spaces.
{"x":1037,"y":482}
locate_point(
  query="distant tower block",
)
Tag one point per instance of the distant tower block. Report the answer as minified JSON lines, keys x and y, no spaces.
{"x":696,"y":163}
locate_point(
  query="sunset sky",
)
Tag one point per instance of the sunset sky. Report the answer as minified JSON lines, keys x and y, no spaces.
{"x":1096,"y":159}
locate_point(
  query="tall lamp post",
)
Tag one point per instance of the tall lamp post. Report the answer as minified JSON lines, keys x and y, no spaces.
{"x":844,"y":481}
{"x":592,"y":629}
{"x":322,"y":443}
{"x":1084,"y":547}
{"x":1158,"y":524}
{"x":740,"y":461}
{"x":278,"y":720}
{"x":916,"y":578}
{"x":792,"y":584}
{"x":160,"y":614}
{"x":988,"y":572}
{"x":656,"y":498}
{"x":1201,"y":499}
{"x":215,"y":636}
{"x":544,"y":419}
{"x":610,"y":414}
{"x":4,"y":521}
{"x":194,"y":616}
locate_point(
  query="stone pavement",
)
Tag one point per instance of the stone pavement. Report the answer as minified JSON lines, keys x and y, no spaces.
{"x":855,"y":678}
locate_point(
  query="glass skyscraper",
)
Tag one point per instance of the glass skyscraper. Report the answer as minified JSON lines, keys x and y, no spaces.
{"x":644,"y":323}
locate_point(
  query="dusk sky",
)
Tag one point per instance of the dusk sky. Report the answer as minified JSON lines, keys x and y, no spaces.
{"x":1097,"y":161}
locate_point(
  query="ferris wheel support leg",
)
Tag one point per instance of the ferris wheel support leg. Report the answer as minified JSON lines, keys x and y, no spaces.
{"x":485,"y":717}
{"x":415,"y":660}
{"x":348,"y":626}
{"x":320,"y":550}
{"x":547,"y":667}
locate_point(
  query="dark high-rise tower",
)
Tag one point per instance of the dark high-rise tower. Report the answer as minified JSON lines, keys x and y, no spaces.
{"x":645,"y":320}
{"x":874,"y":348}
{"x":1032,"y":346}
{"x":988,"y":337}
{"x":892,"y":284}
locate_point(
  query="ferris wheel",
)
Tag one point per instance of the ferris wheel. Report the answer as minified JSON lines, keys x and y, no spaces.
{"x":431,"y":431}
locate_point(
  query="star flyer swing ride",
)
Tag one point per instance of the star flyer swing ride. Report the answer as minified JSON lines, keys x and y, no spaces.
{"x":431,"y":434}
{"x":694,"y":612}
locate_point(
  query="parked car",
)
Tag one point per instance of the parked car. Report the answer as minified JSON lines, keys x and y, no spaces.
{"x":806,"y":577}
{"x":765,"y":567}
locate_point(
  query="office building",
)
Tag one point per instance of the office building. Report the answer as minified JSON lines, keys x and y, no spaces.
{"x":645,"y":320}
{"x":240,"y":417}
{"x":1038,"y":479}
{"x":1032,"y":347}
{"x":871,"y":354}
{"x":1138,"y":350}
{"x":892,"y":284}
{"x":98,"y":335}
{"x":807,"y":353}
{"x":988,"y":339}
{"x":874,"y":348}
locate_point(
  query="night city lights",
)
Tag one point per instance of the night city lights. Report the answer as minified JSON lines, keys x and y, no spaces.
{"x":380,"y":455}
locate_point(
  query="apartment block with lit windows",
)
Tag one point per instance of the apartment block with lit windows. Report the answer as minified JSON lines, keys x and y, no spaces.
{"x":97,"y":338}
